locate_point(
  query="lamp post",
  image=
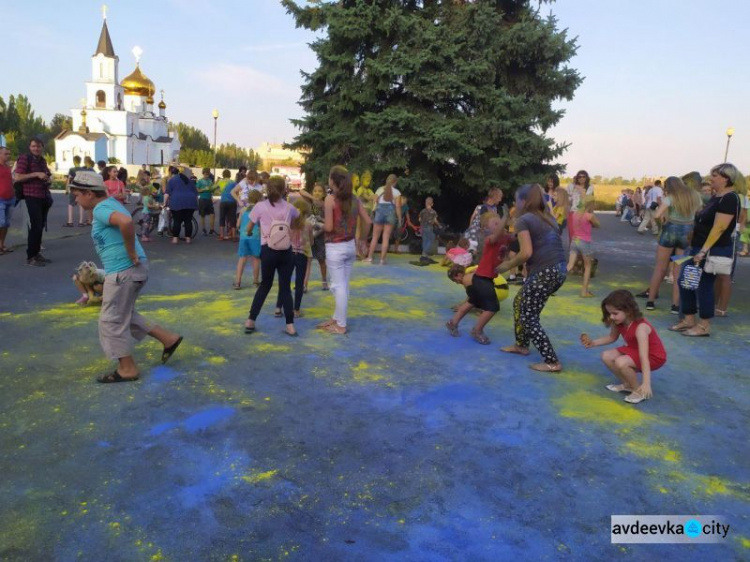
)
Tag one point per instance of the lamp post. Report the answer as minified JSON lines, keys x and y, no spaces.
{"x":215,"y":114}
{"x":730,"y":132}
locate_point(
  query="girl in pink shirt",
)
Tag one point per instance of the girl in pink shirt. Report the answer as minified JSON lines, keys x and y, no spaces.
{"x":115,"y":188}
{"x":580,"y":223}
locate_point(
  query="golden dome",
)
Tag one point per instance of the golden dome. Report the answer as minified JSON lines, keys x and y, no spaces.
{"x":150,"y":100}
{"x":138,"y":84}
{"x":162,"y":105}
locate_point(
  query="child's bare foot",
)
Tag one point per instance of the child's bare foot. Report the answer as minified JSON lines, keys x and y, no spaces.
{"x":480,"y":337}
{"x":587,"y":295}
{"x":546,"y":367}
{"x":516,"y":349}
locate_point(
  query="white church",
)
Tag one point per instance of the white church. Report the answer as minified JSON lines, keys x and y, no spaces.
{"x":117,"y":119}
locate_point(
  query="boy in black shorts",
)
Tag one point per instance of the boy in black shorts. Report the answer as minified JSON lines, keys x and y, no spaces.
{"x":479,"y":284}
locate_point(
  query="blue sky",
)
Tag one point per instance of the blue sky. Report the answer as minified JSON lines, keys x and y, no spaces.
{"x":663,"y":78}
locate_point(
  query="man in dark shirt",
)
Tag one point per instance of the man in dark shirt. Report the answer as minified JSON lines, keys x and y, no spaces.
{"x":33,"y":173}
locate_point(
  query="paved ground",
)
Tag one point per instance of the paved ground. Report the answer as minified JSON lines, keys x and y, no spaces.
{"x":396,"y":442}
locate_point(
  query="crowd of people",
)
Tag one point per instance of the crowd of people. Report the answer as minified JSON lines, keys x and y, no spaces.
{"x":282,"y":232}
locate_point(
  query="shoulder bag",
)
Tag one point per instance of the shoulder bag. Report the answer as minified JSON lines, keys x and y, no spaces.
{"x":721,"y":265}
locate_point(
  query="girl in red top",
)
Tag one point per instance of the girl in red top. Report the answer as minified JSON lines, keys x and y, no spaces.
{"x":341,"y":211}
{"x":643,"y":351}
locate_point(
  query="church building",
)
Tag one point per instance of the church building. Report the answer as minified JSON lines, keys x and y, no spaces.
{"x":118,"y":119}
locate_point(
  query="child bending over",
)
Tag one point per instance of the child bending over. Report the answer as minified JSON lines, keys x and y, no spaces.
{"x":643,"y":350}
{"x":458,"y":254}
{"x":479,"y":285}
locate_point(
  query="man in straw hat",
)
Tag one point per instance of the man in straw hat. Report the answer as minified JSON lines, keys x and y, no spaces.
{"x":126,"y":272}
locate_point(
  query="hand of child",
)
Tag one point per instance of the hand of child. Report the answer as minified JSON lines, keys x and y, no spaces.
{"x":586,"y":341}
{"x":645,"y":390}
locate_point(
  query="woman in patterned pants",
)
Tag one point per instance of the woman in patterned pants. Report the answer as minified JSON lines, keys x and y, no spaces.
{"x":542,"y":252}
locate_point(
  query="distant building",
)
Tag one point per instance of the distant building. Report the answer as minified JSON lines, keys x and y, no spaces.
{"x":276,"y":154}
{"x":118,"y":118}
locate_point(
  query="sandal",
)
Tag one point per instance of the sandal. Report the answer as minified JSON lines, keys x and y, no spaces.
{"x":290,"y":334}
{"x":697,"y":331}
{"x":249,"y":329}
{"x":480,"y":337}
{"x":721,"y":313}
{"x":236,"y":286}
{"x":69,"y":225}
{"x":7,"y":250}
{"x":277,"y":313}
{"x":168,"y":351}
{"x":114,"y":376}
{"x":618,"y":388}
{"x":546,"y":367}
{"x":681,"y":326}
{"x":635,"y":398}
{"x":324,"y":325}
{"x":743,"y":254}
{"x":335,"y":329}
{"x":299,"y":314}
{"x":515,"y":349}
{"x":452,"y":328}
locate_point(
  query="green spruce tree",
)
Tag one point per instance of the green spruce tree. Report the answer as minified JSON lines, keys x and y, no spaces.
{"x":454,"y":96}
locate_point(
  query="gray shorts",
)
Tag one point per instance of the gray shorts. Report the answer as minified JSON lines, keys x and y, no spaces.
{"x":72,"y":199}
{"x":119,"y":323}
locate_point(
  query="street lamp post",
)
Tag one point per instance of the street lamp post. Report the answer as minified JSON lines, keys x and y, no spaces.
{"x":215,"y":113}
{"x":730,"y":132}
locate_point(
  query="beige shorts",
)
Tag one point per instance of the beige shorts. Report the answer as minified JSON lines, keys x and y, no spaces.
{"x":119,"y":323}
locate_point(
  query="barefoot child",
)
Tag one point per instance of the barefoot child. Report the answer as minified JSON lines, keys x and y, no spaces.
{"x":479,"y":285}
{"x":643,"y":350}
{"x":249,"y":243}
{"x":580,"y":223}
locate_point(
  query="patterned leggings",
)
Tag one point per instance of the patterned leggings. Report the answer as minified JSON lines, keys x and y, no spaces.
{"x":528,"y":305}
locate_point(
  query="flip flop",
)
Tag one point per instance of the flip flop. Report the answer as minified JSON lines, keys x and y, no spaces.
{"x":249,"y":329}
{"x":168,"y":351}
{"x":680,"y":327}
{"x":277,"y":314}
{"x":294,"y":335}
{"x":114,"y":376}
{"x":544,"y":368}
{"x":618,"y":388}
{"x":635,"y":398}
{"x":696,"y":331}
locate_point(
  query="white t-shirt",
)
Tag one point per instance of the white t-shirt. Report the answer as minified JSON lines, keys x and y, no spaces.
{"x":379,"y":194}
{"x":653,"y":195}
{"x":575,"y":195}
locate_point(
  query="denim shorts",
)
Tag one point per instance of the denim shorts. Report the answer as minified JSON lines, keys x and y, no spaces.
{"x":6,"y":211}
{"x":581,"y":246}
{"x":249,"y":247}
{"x":675,"y":236}
{"x":385,"y":213}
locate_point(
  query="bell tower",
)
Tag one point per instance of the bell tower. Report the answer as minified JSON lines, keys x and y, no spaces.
{"x":103,"y":91}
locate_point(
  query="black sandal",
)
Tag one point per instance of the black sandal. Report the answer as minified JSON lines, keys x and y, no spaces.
{"x":114,"y":376}
{"x":249,"y":329}
{"x":168,"y":351}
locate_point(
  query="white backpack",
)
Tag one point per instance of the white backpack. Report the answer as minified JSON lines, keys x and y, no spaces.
{"x":279,"y":235}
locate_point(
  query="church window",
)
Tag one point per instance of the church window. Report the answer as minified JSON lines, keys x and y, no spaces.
{"x":101,"y":70}
{"x":101,"y":99}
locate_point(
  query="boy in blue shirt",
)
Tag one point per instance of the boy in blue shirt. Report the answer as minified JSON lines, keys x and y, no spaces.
{"x":126,"y":272}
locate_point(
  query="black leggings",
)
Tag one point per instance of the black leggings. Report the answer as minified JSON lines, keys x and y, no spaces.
{"x":270,"y":262}
{"x":300,"y":269}
{"x":38,"y":209}
{"x":528,"y":305}
{"x":182,"y":217}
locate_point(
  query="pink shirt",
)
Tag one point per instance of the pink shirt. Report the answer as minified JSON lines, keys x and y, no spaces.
{"x":579,"y":226}
{"x":115,"y":188}
{"x":265,"y":213}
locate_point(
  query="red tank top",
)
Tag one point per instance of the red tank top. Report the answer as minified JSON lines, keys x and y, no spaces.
{"x":656,"y":352}
{"x":344,"y":227}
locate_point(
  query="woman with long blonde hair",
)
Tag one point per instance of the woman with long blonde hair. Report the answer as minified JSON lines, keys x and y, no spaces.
{"x":678,"y":208}
{"x":387,"y":214}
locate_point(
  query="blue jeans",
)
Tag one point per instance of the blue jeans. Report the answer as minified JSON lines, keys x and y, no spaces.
{"x":703,"y":297}
{"x":6,"y":211}
{"x":428,"y":240}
